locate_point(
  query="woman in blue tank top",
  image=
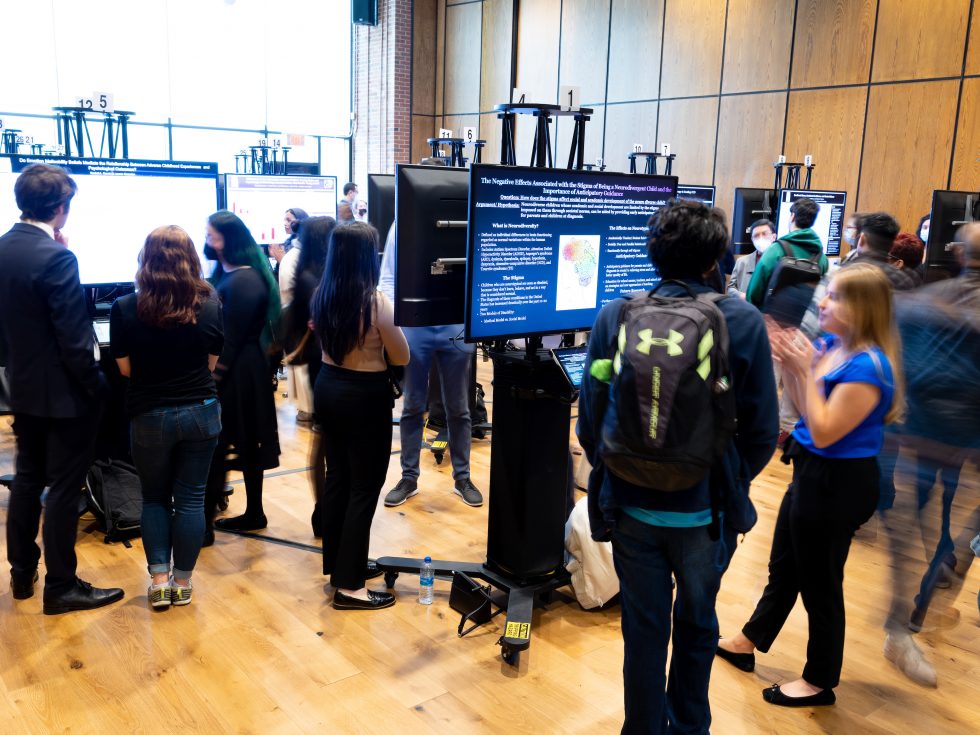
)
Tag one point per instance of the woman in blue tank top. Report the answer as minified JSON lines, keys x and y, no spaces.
{"x":847,"y":388}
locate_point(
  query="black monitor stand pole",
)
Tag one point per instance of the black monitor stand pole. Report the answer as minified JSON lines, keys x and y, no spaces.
{"x":529,"y":493}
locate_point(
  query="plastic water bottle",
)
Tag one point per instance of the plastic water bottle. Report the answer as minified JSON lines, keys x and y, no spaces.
{"x":426,"y":579}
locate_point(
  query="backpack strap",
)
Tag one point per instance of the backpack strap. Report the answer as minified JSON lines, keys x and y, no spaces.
{"x":788,"y":253}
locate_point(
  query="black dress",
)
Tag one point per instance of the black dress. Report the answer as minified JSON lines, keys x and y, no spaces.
{"x":249,"y":431}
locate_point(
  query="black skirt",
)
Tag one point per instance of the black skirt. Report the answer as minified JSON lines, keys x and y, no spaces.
{"x":249,"y":429}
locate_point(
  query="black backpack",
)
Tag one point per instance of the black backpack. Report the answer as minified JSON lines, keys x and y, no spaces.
{"x":791,"y":285}
{"x":114,"y":495}
{"x":671,"y":411}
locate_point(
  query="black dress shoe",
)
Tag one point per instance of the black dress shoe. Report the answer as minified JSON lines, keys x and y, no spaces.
{"x":743,"y":661}
{"x":22,"y":588}
{"x":774,"y":695}
{"x":375,"y":601}
{"x":242,"y":523}
{"x":372,"y":570}
{"x":82,"y":596}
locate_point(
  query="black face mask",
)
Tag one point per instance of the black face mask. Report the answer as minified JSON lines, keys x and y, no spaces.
{"x":210,"y":253}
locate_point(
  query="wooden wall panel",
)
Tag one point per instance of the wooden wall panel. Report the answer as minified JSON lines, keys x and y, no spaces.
{"x":689,"y":127}
{"x":833,"y":42}
{"x":423,"y":128}
{"x":907,"y":148}
{"x":441,"y":58}
{"x":539,"y":24}
{"x":627,"y":124}
{"x":920,"y":40}
{"x":498,"y":19}
{"x":584,"y":41}
{"x":757,"y":60}
{"x":973,"y":53}
{"x":749,"y":136}
{"x":828,"y":124}
{"x":966,"y":166}
{"x":490,"y":132}
{"x":464,"y":32}
{"x":693,"y":37}
{"x":424,"y":17}
{"x":634,"y":54}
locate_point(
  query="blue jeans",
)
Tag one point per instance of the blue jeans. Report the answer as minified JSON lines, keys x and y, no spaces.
{"x":646,"y":557}
{"x":172,"y":450}
{"x":453,"y":359}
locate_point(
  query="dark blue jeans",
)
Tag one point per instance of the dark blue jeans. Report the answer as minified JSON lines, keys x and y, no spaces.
{"x":172,"y":450}
{"x":646,"y":557}
{"x":453,"y":358}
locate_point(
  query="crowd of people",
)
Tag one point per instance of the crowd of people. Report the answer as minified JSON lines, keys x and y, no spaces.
{"x":867,"y":380}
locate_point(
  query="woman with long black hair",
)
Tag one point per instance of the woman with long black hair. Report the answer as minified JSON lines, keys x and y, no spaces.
{"x":303,"y":348}
{"x":354,"y":323}
{"x":249,"y":438}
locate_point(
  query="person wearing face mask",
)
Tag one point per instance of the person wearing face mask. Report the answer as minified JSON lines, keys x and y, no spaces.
{"x":850,"y":235}
{"x":763,"y":235}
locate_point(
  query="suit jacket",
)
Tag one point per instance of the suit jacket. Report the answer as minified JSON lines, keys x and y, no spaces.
{"x":46,"y":336}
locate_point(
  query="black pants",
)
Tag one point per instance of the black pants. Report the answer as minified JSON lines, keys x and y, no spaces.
{"x":354,"y":410}
{"x":825,"y":504}
{"x":56,"y":453}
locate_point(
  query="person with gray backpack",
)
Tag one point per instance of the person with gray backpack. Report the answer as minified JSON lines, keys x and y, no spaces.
{"x":677,"y":414}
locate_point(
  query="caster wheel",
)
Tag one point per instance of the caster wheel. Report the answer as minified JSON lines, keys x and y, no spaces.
{"x":390,"y":578}
{"x":510,"y":656}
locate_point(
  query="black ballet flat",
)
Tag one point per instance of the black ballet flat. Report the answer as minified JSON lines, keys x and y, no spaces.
{"x":242,"y":523}
{"x":774,"y":695}
{"x":742,"y":661}
{"x":376,"y":601}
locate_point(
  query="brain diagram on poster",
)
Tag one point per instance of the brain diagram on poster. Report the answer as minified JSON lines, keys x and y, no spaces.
{"x":578,"y":268}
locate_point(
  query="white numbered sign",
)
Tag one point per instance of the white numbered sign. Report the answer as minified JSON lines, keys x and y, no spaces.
{"x":569,"y":98}
{"x":86,"y":103}
{"x":637,"y":147}
{"x":443,"y":133}
{"x":665,"y":149}
{"x":469,"y":134}
{"x":102,"y":102}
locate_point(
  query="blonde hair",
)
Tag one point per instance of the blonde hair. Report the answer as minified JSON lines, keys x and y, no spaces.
{"x":866,"y":296}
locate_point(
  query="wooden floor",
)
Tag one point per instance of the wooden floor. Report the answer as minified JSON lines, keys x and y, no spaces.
{"x":261,"y":651}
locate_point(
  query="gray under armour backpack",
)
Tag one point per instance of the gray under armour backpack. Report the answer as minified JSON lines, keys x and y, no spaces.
{"x":671,"y":410}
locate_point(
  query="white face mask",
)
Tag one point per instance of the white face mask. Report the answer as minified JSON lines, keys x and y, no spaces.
{"x":762,"y":242}
{"x":924,"y":233}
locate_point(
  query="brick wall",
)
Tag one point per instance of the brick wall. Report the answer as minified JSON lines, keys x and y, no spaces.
{"x":383,"y":91}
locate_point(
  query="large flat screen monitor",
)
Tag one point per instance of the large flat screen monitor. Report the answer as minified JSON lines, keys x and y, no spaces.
{"x":703,"y":194}
{"x":830,"y":218}
{"x":430,"y":273}
{"x":750,"y":205}
{"x":262,"y":201}
{"x":548,"y":248}
{"x":119,"y":202}
{"x":950,"y":211}
{"x":381,"y":203}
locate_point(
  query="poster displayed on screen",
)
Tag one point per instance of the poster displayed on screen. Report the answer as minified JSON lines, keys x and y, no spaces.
{"x":548,"y":248}
{"x":703,"y":194}
{"x":571,"y":360}
{"x":118,"y":203}
{"x":262,"y":201}
{"x":829,"y":225}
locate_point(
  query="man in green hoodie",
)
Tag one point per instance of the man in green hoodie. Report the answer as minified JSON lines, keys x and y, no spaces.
{"x":802,"y":241}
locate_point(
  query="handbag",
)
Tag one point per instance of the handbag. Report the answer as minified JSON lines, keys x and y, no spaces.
{"x":396,"y":376}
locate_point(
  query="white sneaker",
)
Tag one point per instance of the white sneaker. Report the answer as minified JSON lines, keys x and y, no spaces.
{"x":179,"y":594}
{"x":158,"y":595}
{"x":902,"y":651}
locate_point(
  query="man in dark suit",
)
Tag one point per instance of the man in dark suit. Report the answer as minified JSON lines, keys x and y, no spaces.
{"x":55,"y":391}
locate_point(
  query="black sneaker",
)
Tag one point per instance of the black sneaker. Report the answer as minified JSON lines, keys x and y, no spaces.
{"x":401,"y":492}
{"x":468,"y":492}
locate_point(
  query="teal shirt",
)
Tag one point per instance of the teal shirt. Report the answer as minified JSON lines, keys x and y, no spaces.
{"x":668,"y":519}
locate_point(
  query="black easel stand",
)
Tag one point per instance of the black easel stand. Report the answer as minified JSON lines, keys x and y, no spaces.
{"x":529,"y":492}
{"x":541,"y":149}
{"x":73,"y":130}
{"x":650,"y":162}
{"x":793,"y":175}
{"x":455,"y":156}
